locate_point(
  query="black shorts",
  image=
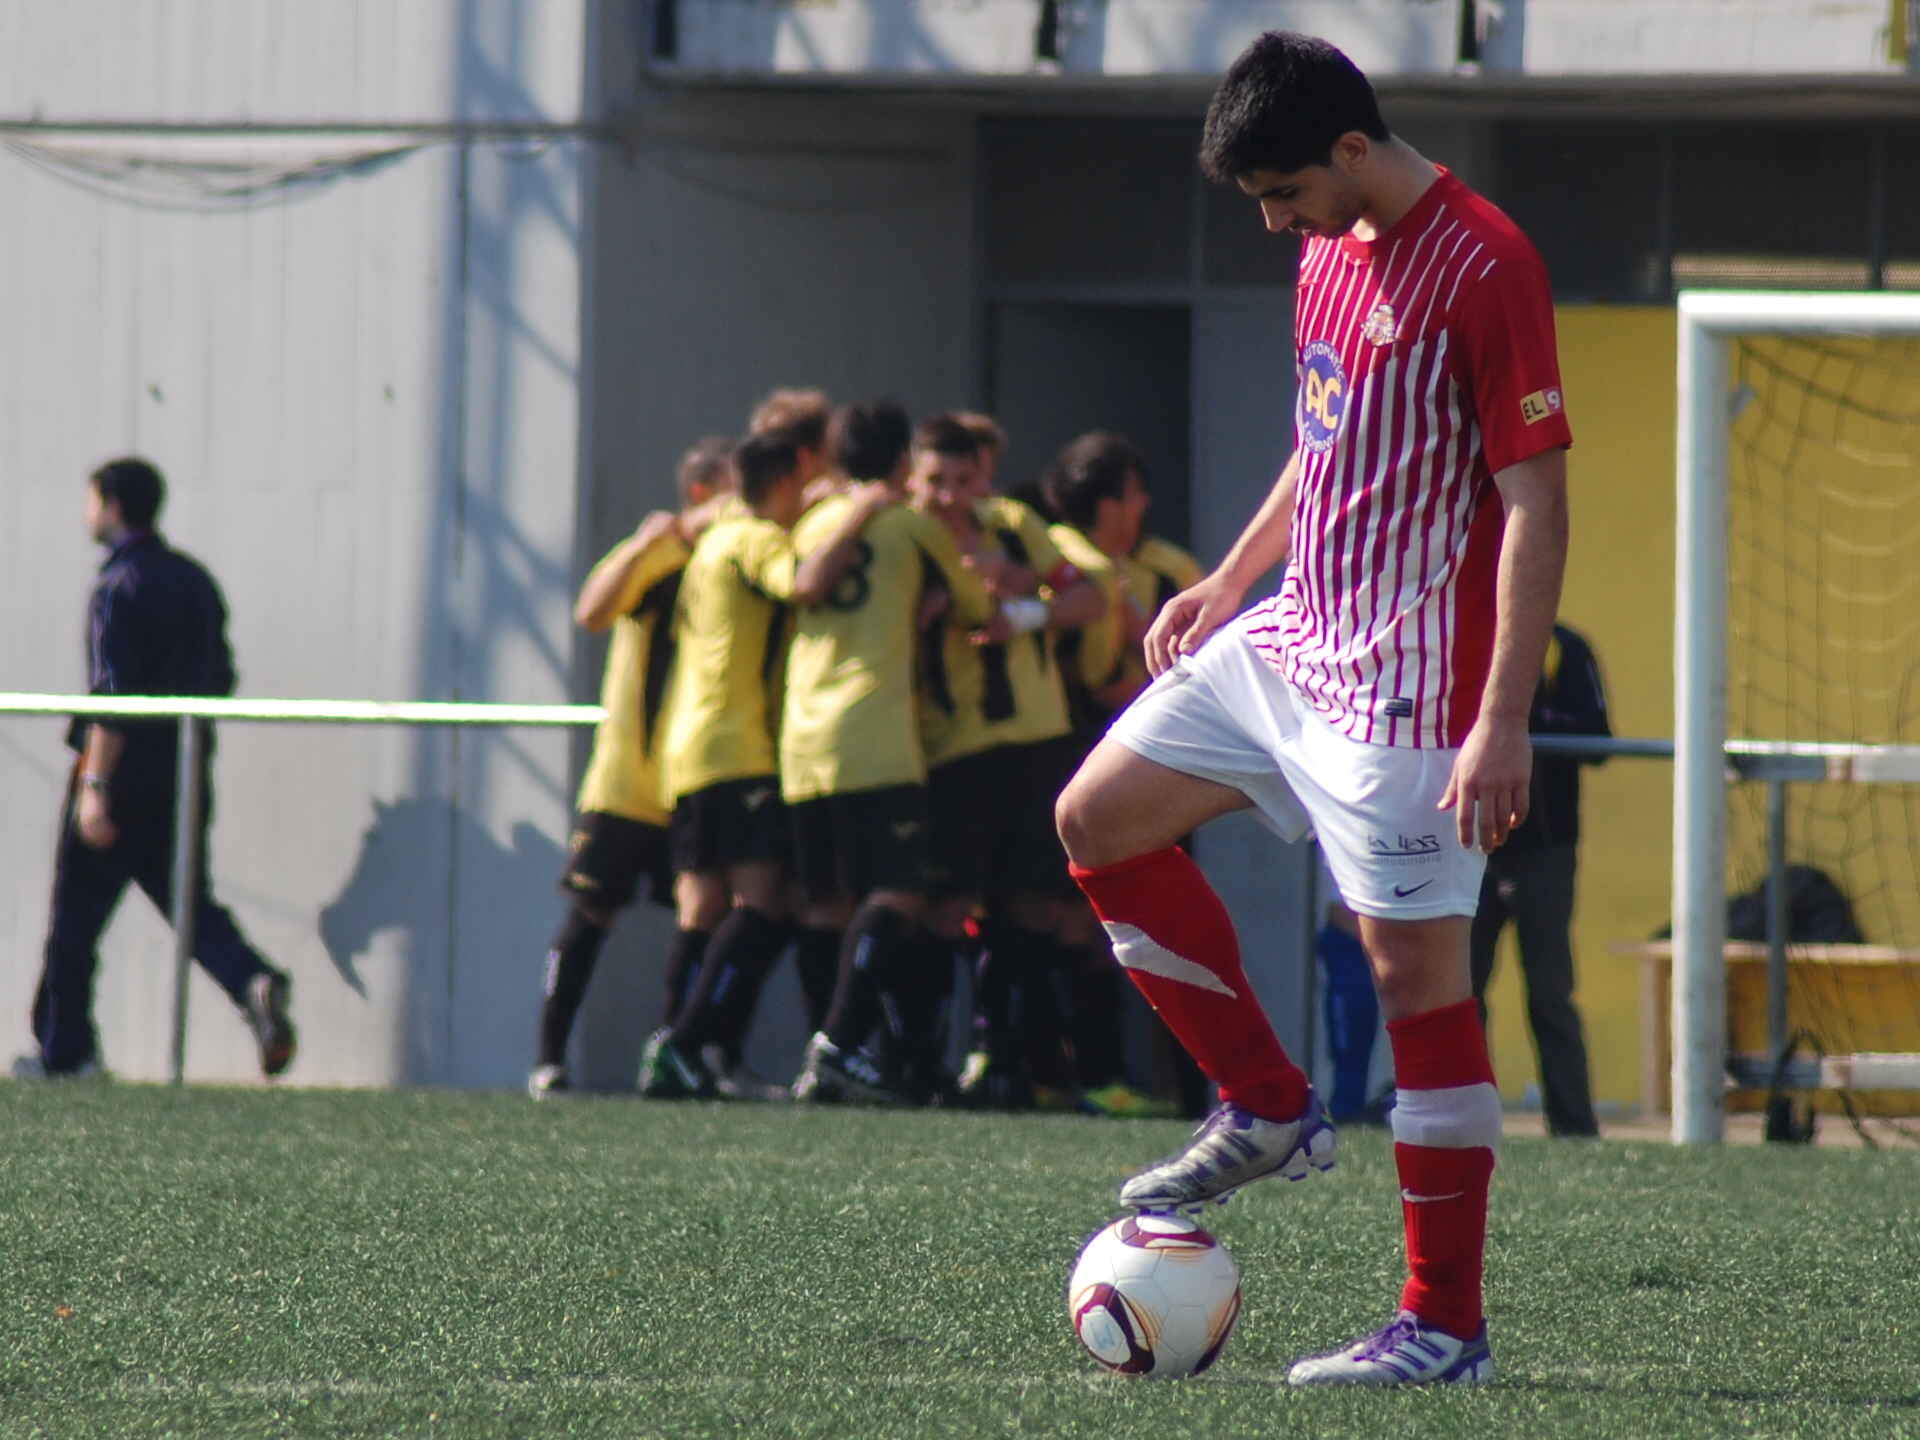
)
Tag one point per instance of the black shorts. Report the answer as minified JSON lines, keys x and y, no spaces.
{"x":1036,"y":860}
{"x":993,"y":831}
{"x":732,"y":822}
{"x":863,"y":841}
{"x":608,"y":857}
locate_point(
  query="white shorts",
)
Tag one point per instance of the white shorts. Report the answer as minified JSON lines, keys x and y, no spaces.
{"x":1225,"y":715}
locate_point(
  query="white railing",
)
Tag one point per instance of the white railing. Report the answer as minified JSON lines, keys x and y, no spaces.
{"x":194,"y":711}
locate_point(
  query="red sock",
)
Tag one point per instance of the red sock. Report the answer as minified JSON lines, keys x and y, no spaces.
{"x":1446,"y":1126}
{"x":1175,"y":939}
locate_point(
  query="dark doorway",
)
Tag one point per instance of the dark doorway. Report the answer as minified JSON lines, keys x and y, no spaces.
{"x":1059,"y":370}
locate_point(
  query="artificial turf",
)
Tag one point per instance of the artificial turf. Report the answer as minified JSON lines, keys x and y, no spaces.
{"x":213,"y":1262}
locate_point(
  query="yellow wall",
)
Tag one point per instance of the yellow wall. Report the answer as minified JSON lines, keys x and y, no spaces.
{"x":1618,"y":368}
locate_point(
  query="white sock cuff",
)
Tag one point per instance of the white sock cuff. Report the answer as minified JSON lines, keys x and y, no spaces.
{"x":1460,"y":1117}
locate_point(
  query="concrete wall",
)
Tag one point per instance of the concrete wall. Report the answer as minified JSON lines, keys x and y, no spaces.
{"x":365,"y":394}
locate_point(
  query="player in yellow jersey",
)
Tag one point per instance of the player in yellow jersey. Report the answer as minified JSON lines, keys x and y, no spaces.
{"x":1098,"y":487}
{"x":801,"y":416}
{"x":994,"y":715}
{"x":621,"y":836}
{"x":728,"y":838}
{"x":852,"y":766}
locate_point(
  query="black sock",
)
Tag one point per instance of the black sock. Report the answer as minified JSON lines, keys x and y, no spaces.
{"x":870,"y":958}
{"x":569,"y":968}
{"x":923,"y":995}
{"x":816,"y":955}
{"x":1046,"y":1016}
{"x":1094,"y":986}
{"x":683,"y":966}
{"x":1014,"y":1006}
{"x":720,"y":1009}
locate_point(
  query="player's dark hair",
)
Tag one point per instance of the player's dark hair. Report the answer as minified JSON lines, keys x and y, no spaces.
{"x":867,"y":439}
{"x":1284,"y":103}
{"x":947,"y":435}
{"x":985,"y":429}
{"x":135,"y":486}
{"x":761,"y":462}
{"x":1093,"y":468}
{"x":708,"y":462}
{"x":800,"y":415}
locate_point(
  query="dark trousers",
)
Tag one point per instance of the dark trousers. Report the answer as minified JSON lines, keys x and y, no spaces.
{"x":88,"y":884}
{"x":1533,"y":888}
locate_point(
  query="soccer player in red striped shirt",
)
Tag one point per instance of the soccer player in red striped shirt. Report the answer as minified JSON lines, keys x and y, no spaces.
{"x":1423,"y":521}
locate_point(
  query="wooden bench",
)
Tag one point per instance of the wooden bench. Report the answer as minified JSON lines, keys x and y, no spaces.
{"x":1861,"y":1003}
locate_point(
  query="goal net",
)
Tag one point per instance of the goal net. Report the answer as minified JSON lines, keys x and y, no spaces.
{"x":1823,"y":635}
{"x":1799,"y":571}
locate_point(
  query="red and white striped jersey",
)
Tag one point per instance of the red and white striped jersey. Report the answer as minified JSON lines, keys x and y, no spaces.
{"x":1426,"y":363}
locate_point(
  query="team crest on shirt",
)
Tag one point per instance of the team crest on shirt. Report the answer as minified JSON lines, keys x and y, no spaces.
{"x":1323,"y":396}
{"x":1381,"y":327}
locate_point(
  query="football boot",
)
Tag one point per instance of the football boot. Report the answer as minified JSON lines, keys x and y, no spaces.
{"x":833,"y":1074}
{"x":668,"y":1074}
{"x":1406,"y":1352}
{"x":737,"y":1082}
{"x":267,"y":996}
{"x":1234,"y":1148}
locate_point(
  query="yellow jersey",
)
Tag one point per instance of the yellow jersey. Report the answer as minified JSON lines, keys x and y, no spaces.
{"x":978,"y":696}
{"x":731,"y":631}
{"x":622,"y":778}
{"x":1095,"y":655}
{"x":1156,"y":571}
{"x":849,"y":721}
{"x":1153,"y":574}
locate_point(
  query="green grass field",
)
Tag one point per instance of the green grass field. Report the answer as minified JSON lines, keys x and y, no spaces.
{"x":217,"y":1262}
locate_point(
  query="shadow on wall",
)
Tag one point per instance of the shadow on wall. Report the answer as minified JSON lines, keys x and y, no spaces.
{"x":402,"y":882}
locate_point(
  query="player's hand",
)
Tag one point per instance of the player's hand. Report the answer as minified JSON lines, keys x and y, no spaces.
{"x":1492,"y":778}
{"x":1187,"y":620}
{"x":996,"y":631}
{"x":989,"y":568}
{"x":1014,"y":582}
{"x":95,"y":825}
{"x":872,"y":496}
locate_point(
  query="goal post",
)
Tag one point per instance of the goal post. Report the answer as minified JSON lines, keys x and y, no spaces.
{"x":1709,"y":321}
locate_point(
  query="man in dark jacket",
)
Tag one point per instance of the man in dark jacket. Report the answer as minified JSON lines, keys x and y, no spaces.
{"x":156,"y":625}
{"x":1529,"y":881}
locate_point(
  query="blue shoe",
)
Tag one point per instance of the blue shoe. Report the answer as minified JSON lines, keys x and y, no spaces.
{"x":1235,"y":1148}
{"x":1407,"y":1352}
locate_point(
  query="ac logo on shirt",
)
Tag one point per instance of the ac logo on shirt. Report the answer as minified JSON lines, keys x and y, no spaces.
{"x":1539,"y":405}
{"x":1323,"y":396}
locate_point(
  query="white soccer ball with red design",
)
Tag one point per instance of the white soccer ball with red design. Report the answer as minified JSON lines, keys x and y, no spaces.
{"x":1154,"y":1295}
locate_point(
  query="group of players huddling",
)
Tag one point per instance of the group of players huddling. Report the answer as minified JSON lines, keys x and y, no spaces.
{"x":845,"y":686}
{"x":1423,"y":522}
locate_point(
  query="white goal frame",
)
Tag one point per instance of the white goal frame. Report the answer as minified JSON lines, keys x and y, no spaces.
{"x":1709,"y":320}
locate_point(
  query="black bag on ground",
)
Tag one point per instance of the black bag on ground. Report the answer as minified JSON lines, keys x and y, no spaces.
{"x":1818,"y":911}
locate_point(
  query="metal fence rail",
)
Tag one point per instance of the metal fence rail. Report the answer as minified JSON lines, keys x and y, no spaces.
{"x":194,"y":712}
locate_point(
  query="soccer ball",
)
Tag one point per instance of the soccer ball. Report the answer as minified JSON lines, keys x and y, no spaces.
{"x":1154,"y":1295}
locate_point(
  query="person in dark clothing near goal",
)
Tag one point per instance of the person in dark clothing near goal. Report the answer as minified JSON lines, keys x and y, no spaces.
{"x":156,"y":625}
{"x":1530,"y":883}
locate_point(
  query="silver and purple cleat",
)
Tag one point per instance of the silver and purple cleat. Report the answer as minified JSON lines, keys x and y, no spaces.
{"x":1406,"y":1352}
{"x":1235,"y":1148}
